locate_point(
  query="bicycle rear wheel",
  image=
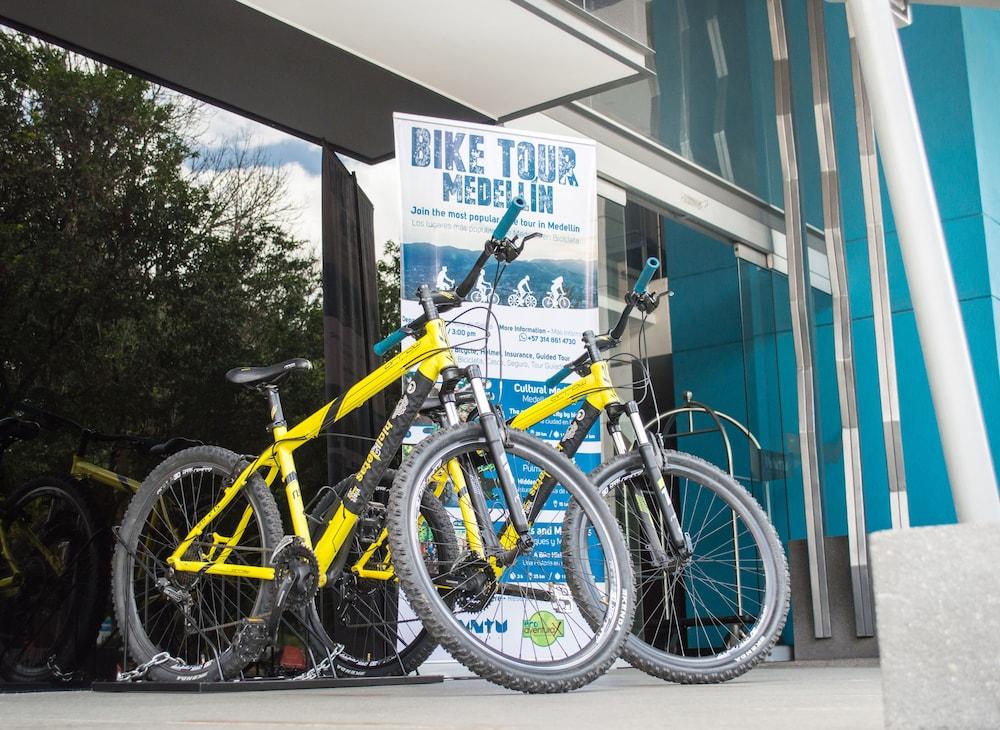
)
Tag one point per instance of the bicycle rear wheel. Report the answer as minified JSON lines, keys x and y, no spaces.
{"x":51,"y":611}
{"x":716,"y":615}
{"x":194,"y":618}
{"x":522,"y":630}
{"x":361,"y":611}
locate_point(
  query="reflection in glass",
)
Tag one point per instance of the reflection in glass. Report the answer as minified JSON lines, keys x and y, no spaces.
{"x":711,"y":100}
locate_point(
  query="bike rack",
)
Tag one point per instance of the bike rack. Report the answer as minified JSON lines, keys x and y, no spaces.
{"x":663,"y":423}
{"x":258,"y":685}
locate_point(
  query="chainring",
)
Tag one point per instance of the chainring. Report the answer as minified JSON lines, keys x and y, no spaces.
{"x":288,"y":560}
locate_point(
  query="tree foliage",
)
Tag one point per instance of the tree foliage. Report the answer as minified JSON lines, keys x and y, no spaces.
{"x":387,"y":270}
{"x":131,"y":275}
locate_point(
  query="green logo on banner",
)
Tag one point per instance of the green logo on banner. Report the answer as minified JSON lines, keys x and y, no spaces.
{"x":543,"y":628}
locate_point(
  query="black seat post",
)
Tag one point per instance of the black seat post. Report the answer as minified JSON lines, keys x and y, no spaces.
{"x":274,"y":408}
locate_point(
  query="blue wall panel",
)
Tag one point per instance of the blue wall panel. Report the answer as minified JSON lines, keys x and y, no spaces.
{"x":981,"y":29}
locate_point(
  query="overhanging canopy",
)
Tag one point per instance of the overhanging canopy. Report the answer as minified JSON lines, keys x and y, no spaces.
{"x":335,"y":70}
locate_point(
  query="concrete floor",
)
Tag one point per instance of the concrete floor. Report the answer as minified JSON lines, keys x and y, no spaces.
{"x":787,"y":695}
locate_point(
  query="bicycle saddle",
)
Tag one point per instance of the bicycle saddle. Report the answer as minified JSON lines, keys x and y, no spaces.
{"x":172,"y":446}
{"x":260,"y":377}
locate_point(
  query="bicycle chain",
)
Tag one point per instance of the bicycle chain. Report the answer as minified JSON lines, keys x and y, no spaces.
{"x":327,"y":664}
{"x":140,"y":671}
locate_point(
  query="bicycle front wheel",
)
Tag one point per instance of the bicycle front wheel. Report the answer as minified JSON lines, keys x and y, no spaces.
{"x":519,"y":626}
{"x":710,"y":617}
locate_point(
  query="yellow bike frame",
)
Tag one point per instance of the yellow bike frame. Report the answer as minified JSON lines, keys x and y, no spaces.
{"x":432,"y":354}
{"x":82,"y":469}
{"x":596,"y":388}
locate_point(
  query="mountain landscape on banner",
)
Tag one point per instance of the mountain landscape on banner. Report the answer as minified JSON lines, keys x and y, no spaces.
{"x":423,"y":262}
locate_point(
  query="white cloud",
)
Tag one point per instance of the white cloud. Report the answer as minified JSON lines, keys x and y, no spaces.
{"x":305,"y":194}
{"x":380,"y":182}
{"x":220,"y":125}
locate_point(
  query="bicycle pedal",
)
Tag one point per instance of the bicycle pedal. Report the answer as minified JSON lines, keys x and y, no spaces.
{"x":252,"y":636}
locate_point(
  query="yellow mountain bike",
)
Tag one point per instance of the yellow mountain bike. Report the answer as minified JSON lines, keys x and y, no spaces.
{"x":712,"y":576}
{"x":51,"y":593}
{"x":55,"y":549}
{"x":713,"y":586}
{"x":204,"y":570}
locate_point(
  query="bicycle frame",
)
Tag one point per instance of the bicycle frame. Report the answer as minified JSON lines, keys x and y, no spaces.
{"x":598,"y":394}
{"x":83,"y":469}
{"x":432,"y":354}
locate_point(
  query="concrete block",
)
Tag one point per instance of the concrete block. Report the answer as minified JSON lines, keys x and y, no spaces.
{"x":937,"y":601}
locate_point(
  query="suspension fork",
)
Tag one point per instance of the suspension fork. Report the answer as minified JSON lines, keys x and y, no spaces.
{"x":493,"y":431}
{"x":465,"y":478}
{"x":656,"y":487}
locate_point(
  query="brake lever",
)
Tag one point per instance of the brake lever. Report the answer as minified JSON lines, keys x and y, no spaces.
{"x":507,"y":250}
{"x":646,"y":302}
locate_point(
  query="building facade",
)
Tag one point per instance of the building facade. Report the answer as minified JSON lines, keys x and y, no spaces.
{"x":701,"y":158}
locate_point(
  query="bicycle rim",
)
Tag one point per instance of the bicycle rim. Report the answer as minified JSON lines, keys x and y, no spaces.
{"x":362,"y":611}
{"x":522,"y":630}
{"x":50,"y":617}
{"x":193,"y":617}
{"x":718,"y":614}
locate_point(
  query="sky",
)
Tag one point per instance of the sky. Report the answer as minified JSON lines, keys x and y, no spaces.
{"x":301,"y":162}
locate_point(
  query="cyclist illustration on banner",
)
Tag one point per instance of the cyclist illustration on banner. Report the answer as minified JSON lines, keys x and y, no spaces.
{"x":522,"y":296}
{"x":556,"y":298}
{"x":443,"y":281}
{"x":483,"y":293}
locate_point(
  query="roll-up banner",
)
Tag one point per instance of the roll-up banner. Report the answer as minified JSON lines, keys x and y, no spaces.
{"x":456,"y":181}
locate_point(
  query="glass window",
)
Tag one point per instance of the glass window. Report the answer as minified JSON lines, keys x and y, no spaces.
{"x":701,"y":103}
{"x":628,"y":16}
{"x":712,"y":100}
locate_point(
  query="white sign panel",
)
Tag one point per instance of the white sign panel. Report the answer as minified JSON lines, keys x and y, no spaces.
{"x":456,"y":181}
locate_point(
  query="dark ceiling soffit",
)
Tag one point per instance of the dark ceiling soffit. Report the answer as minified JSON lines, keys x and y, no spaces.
{"x":293,"y":95}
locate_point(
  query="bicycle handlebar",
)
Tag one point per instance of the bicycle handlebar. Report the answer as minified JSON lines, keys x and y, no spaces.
{"x":614,"y":335}
{"x":513,"y":210}
{"x":639,"y":290}
{"x":384,"y":345}
{"x":652,"y":264}
{"x":559,"y":377}
{"x":499,"y":233}
{"x":141,"y":444}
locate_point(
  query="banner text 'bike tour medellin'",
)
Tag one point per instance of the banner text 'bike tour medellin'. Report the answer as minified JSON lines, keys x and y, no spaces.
{"x":456,"y":181}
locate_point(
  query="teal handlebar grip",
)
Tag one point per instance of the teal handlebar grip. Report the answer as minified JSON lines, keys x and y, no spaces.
{"x":515,"y":207}
{"x":383,"y":346}
{"x":652,"y":266}
{"x":558,"y":377}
